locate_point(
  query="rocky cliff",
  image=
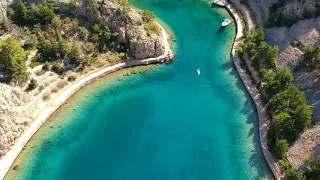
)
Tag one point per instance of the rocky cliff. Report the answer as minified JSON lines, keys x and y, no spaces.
{"x":14,"y":118}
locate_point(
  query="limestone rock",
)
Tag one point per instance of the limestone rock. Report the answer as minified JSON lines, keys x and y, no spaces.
{"x":300,"y":9}
{"x":307,"y":144}
{"x":14,"y":118}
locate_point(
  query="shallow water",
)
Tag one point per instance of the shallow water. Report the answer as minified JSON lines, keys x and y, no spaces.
{"x":160,"y":122}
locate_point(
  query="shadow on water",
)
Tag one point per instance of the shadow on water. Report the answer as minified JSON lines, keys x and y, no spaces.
{"x":250,"y":112}
{"x":226,"y":92}
{"x":220,"y":30}
{"x":213,"y":5}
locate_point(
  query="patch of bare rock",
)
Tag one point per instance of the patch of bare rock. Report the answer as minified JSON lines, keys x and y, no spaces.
{"x":14,"y":118}
{"x":305,"y":149}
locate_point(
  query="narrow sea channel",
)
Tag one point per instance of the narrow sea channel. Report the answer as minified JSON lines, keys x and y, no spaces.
{"x":161,"y":122}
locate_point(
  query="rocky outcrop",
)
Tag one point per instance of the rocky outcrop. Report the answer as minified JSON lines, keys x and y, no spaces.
{"x":305,"y":31}
{"x":126,"y":22}
{"x":306,"y":149}
{"x":14,"y":118}
{"x":142,"y":45}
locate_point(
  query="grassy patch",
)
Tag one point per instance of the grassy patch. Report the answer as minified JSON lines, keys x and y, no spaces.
{"x":152,"y":28}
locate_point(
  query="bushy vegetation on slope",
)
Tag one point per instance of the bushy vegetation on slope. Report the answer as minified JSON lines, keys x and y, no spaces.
{"x":312,"y":57}
{"x":286,"y":104}
{"x":57,"y":35}
{"x":12,"y":58}
{"x":259,"y":49}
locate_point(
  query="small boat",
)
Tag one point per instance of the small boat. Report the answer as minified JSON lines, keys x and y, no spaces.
{"x":226,"y":22}
{"x":198,"y":71}
{"x":219,"y":2}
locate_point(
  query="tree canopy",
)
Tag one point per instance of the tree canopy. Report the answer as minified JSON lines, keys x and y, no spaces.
{"x":268,"y":54}
{"x":275,"y":81}
{"x":42,"y":13}
{"x":257,"y":47}
{"x":12,"y":57}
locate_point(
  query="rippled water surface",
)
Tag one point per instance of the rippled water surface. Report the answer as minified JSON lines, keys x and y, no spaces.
{"x":162,"y":122}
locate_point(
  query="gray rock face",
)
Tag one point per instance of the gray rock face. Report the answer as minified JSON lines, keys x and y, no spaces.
{"x":14,"y":118}
{"x":309,"y":83}
{"x":304,"y":31}
{"x":298,"y":8}
{"x":142,"y":46}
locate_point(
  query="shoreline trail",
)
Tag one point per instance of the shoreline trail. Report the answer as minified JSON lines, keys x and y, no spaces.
{"x":254,"y":93}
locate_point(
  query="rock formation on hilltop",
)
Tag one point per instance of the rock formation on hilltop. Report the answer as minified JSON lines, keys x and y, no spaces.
{"x":129,"y":26}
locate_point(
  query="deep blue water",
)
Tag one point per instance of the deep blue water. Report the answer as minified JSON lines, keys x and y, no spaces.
{"x":164,"y":123}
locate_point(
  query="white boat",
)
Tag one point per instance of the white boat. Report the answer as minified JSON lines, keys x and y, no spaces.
{"x":198,"y":71}
{"x":226,"y":22}
{"x":219,"y":2}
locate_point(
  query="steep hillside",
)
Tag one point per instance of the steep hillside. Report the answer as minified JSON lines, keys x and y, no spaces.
{"x":294,"y":27}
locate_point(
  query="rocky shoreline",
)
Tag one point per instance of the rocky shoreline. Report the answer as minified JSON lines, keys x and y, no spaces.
{"x":254,"y":93}
{"x":7,"y":160}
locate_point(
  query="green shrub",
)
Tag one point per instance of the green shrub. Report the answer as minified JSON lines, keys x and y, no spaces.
{"x":313,"y":171}
{"x":46,"y":66}
{"x":295,"y":43}
{"x":87,"y":60}
{"x":42,"y":13}
{"x":312,"y":56}
{"x":83,"y":33}
{"x":93,"y":5}
{"x":56,"y":67}
{"x":41,"y":87}
{"x":74,"y":55}
{"x":307,"y":157}
{"x":33,"y":84}
{"x":72,"y":78}
{"x":268,"y":54}
{"x":40,"y":72}
{"x":275,"y":81}
{"x":56,"y":22}
{"x":34,"y":64}
{"x":31,"y":42}
{"x":293,"y":114}
{"x":151,"y":27}
{"x":281,"y":148}
{"x":148,"y":16}
{"x":293,"y":174}
{"x":239,"y":47}
{"x":284,"y":165}
{"x":101,"y":36}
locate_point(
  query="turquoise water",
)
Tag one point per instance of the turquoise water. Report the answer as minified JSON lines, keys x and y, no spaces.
{"x":159,"y":123}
